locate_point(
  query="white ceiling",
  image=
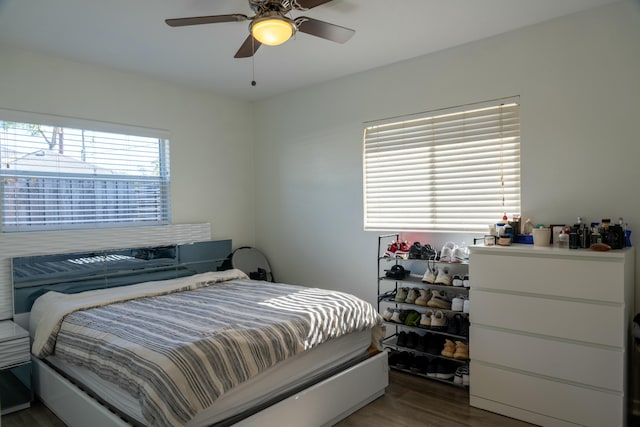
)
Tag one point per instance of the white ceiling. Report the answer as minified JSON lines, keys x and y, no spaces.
{"x":131,"y":35}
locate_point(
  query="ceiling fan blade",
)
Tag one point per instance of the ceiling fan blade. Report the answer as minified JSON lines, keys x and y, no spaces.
{"x":248,"y":48}
{"x":323,"y":29}
{"x":212,"y":19}
{"x":309,"y":4}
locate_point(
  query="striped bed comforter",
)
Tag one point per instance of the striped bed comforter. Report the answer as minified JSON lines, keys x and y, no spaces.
{"x":178,"y":345}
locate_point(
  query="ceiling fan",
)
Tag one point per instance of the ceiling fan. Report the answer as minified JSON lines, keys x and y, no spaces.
{"x":271,"y":26}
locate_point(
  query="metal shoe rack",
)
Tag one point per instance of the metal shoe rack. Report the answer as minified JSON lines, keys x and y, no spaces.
{"x":432,"y":340}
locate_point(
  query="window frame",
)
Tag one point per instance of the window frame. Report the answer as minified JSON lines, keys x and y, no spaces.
{"x":160,"y":183}
{"x":434,"y":171}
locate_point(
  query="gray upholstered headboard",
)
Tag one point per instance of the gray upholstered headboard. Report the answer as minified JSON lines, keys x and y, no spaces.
{"x":82,"y":271}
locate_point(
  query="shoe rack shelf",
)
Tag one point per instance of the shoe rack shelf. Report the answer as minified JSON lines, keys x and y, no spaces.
{"x":420,"y":358}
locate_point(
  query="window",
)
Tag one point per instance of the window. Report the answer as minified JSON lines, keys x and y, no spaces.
{"x":454,"y":170}
{"x":67,"y":177}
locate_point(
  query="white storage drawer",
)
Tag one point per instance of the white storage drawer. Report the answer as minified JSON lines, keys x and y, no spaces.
{"x":575,"y":320}
{"x":559,"y":359}
{"x":588,"y":277}
{"x":554,"y":399}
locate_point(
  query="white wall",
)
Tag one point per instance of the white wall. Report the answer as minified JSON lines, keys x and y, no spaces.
{"x":579,"y":82}
{"x":211,"y":145}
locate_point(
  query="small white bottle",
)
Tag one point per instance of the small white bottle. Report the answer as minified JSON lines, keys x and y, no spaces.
{"x":563,"y":239}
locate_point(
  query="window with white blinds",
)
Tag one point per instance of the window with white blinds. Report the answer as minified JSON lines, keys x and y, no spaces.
{"x":454,"y":170}
{"x":57,"y":177}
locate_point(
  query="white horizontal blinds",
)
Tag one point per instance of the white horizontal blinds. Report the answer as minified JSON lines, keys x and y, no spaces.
{"x":452,"y":171}
{"x":57,"y":177}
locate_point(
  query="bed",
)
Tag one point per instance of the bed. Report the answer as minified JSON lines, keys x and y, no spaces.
{"x":158,"y":336}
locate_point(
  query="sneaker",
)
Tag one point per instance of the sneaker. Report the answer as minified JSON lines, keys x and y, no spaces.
{"x":439,"y":321}
{"x":401,"y":295}
{"x":443,"y":277}
{"x":465,"y":306}
{"x":424,"y":297}
{"x":413,"y":317}
{"x":391,"y":249}
{"x":432,"y":369}
{"x":388,"y":313}
{"x":462,"y":351}
{"x":412,"y":340}
{"x":449,"y":349}
{"x":454,"y":325}
{"x":422,"y":343}
{"x":434,"y":344}
{"x":457,"y":379}
{"x":460,"y":254}
{"x":395,"y":317}
{"x":457,"y":304}
{"x":429,"y":276}
{"x":412,"y":296}
{"x":415,"y":250}
{"x":457,"y":281}
{"x":427,"y":252}
{"x":446,"y":254}
{"x":465,"y":376}
{"x":402,"y":251}
{"x":464,"y":327}
{"x":425,"y":319}
{"x":446,"y":370}
{"x":439,"y":300}
{"x":404,"y":360}
{"x":465,"y":281}
{"x":402,"y":339}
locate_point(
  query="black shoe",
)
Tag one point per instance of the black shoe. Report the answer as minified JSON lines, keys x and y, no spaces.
{"x":412,"y":339}
{"x":454,"y":325}
{"x":415,"y":250}
{"x":402,"y":339}
{"x":404,"y":360}
{"x":422,"y":343}
{"x":446,"y":370}
{"x":464,"y":327}
{"x":435,"y":344}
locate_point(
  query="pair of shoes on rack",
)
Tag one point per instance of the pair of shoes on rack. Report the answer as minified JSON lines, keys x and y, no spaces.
{"x":416,"y":296}
{"x":457,"y":303}
{"x":439,"y":299}
{"x":439,"y":276}
{"x":397,"y":249}
{"x":458,"y":325}
{"x":461,"y":376}
{"x":403,"y":317}
{"x":460,"y":281}
{"x":457,"y":350}
{"x":453,"y":253}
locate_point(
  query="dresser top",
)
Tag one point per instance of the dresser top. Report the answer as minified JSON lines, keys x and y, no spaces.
{"x":11,"y":331}
{"x":553,"y":251}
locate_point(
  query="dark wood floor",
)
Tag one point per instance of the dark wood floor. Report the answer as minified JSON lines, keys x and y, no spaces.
{"x":412,"y":401}
{"x":409,"y":401}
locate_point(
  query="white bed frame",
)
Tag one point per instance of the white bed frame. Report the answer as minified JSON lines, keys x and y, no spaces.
{"x":322,"y":404}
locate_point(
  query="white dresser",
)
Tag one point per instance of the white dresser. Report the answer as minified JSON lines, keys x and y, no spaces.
{"x":549,"y":334}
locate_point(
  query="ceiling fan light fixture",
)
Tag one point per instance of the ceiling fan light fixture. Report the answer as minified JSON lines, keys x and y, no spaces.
{"x":272,"y":31}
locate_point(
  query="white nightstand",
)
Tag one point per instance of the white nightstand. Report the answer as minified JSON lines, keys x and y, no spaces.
{"x":15,"y":368}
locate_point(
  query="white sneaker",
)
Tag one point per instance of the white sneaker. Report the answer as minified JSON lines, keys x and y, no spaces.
{"x":429,"y":276}
{"x":387,"y":314}
{"x":395,"y":317}
{"x":465,"y":282}
{"x":446,"y":254}
{"x":460,"y":255}
{"x":465,"y":306}
{"x":457,"y":281}
{"x":457,"y":304}
{"x":425,"y":319}
{"x":439,"y":321}
{"x":443,"y":278}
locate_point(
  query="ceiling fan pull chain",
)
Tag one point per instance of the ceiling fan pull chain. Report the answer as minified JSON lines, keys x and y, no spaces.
{"x":253,"y":62}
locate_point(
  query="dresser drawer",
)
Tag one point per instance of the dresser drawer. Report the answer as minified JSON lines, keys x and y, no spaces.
{"x":565,"y":319}
{"x":13,"y":352}
{"x":555,"y":399}
{"x":593,"y":278}
{"x":594,"y":366}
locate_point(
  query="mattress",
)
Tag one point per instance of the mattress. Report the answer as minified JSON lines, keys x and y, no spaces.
{"x":248,"y":397}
